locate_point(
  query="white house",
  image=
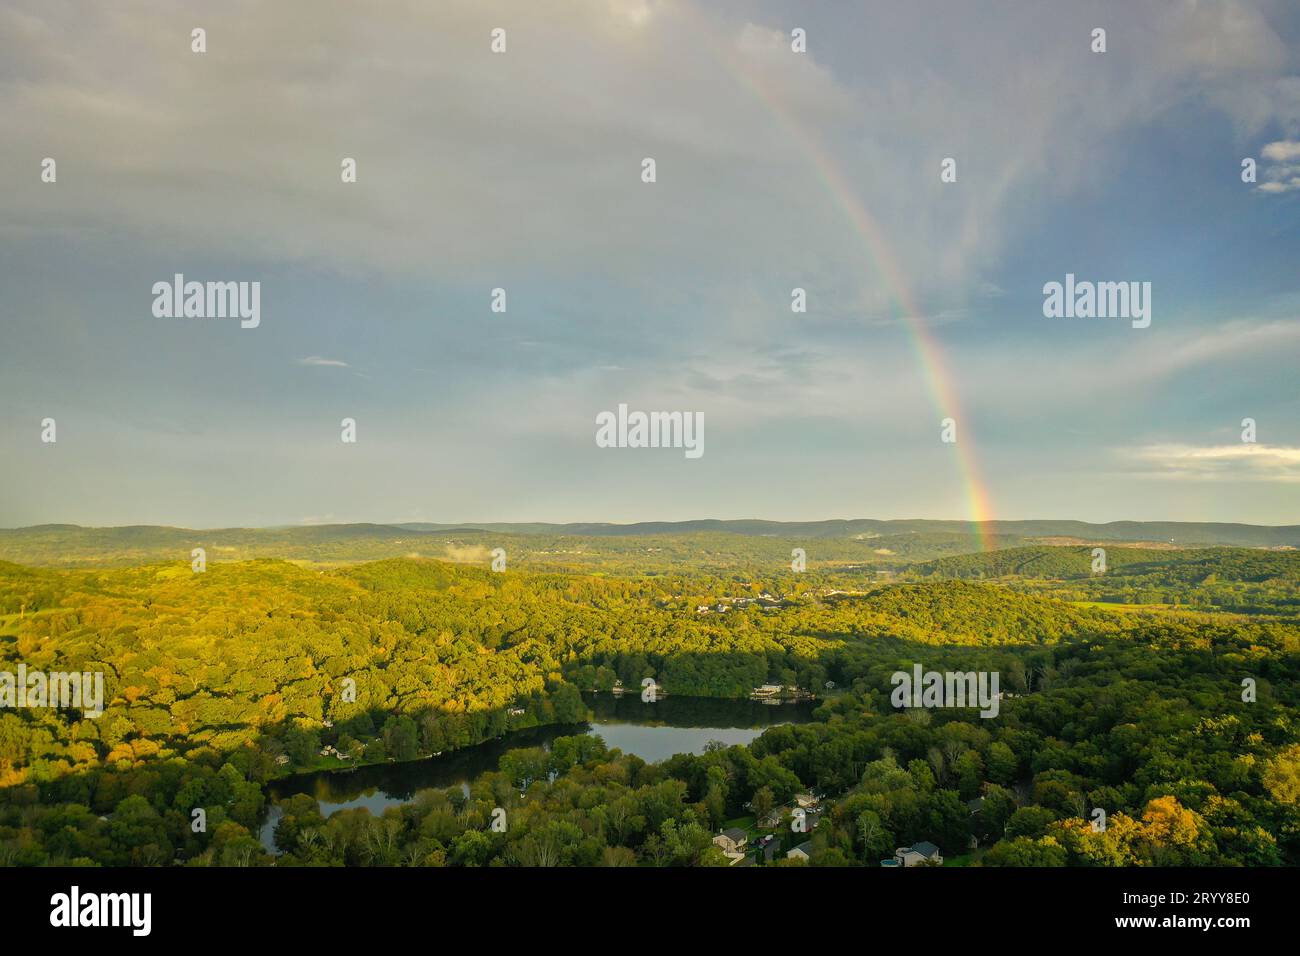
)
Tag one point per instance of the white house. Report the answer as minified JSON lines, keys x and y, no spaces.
{"x":732,"y":842}
{"x":918,"y":854}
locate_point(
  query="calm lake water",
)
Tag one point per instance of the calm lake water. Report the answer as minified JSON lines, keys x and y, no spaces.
{"x":652,"y":732}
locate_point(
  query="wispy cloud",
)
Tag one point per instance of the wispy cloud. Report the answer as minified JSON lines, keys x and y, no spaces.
{"x":317,"y":360}
{"x":1240,"y":462}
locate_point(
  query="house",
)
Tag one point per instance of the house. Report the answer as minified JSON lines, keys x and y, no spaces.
{"x":918,"y":854}
{"x":732,"y":841}
{"x":806,"y":800}
{"x":516,"y":711}
{"x":772,"y":819}
{"x":802,"y":852}
{"x":766,"y":690}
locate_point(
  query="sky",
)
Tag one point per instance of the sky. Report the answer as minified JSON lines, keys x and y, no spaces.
{"x":523,"y":170}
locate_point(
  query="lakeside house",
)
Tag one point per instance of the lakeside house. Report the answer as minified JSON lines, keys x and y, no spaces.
{"x":776,"y":693}
{"x":918,"y":854}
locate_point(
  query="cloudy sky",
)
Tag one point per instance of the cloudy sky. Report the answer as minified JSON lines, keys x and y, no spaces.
{"x":522,"y":170}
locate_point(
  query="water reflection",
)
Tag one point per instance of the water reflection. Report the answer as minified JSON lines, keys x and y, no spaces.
{"x":653,"y":732}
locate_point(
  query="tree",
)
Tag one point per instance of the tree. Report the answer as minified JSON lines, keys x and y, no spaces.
{"x":1023,"y":851}
{"x":1282,"y":775}
{"x":876,"y":840}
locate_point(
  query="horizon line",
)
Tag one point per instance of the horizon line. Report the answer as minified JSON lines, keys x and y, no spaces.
{"x":470,"y":525}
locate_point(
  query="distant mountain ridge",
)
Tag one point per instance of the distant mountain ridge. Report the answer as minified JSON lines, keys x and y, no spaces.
{"x":1176,"y":532}
{"x":1182,"y":533}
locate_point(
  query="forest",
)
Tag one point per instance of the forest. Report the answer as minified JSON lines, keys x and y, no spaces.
{"x":1163,"y":692}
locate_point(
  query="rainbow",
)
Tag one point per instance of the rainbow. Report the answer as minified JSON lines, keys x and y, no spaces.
{"x":938,"y":380}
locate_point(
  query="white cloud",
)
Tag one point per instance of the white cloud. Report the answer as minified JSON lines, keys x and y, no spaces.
{"x":317,"y":360}
{"x":1281,"y":174}
{"x":1239,"y":462}
{"x":1285,"y":185}
{"x":1282,"y":151}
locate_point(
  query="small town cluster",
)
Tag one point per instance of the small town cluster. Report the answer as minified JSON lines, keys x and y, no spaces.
{"x":750,"y":847}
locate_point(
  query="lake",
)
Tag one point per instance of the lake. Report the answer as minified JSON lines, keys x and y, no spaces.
{"x":671,"y":725}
